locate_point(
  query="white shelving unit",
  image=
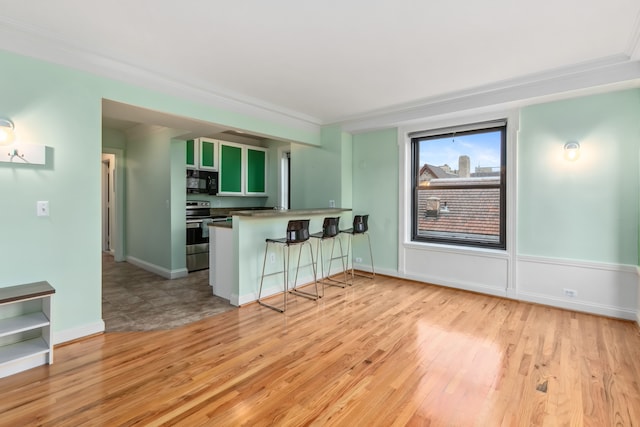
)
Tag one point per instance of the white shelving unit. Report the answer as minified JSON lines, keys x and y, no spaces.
{"x":25,"y":327}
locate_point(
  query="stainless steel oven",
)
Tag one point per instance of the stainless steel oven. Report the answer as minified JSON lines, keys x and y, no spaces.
{"x":198,"y":214}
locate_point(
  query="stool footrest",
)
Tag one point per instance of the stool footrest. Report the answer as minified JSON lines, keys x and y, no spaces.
{"x":334,"y":282}
{"x":304,"y":294}
{"x":279,"y":310}
{"x":366,"y":276}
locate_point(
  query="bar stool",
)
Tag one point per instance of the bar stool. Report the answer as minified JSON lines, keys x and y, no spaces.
{"x":360,"y":228}
{"x":330,"y":230}
{"x":297,"y":235}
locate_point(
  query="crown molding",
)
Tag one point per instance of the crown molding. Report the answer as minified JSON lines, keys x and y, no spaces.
{"x":34,"y":42}
{"x":617,"y":71}
{"x":611,"y":73}
{"x":633,"y":51}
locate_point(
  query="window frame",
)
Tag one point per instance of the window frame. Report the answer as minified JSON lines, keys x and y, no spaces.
{"x":465,"y":129}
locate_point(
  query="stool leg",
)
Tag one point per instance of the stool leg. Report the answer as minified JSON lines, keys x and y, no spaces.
{"x":373,"y":272}
{"x":350,"y":255}
{"x":315,"y":270}
{"x":320,"y":256}
{"x":344,"y":267}
{"x":296,"y":291}
{"x":280,"y":310}
{"x":264,"y":263}
{"x":286,"y":264}
{"x":333,"y":245}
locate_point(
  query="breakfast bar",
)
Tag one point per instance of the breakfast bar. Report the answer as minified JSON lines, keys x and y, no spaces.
{"x":237,"y":250}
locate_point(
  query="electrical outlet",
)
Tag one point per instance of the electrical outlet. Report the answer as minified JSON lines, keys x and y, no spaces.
{"x":42,"y":208}
{"x":332,"y":203}
{"x":571,"y":293}
{"x":272,"y":258}
{"x":358,"y":259}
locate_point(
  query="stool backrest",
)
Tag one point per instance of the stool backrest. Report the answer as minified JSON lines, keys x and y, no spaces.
{"x":360,"y":223}
{"x":298,"y":231}
{"x":330,"y":226}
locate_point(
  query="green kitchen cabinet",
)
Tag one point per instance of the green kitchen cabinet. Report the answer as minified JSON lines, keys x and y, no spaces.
{"x":191,"y":154}
{"x":243,"y":170}
{"x":256,"y":171}
{"x":208,"y":150}
{"x":202,"y":153}
{"x":231,"y":169}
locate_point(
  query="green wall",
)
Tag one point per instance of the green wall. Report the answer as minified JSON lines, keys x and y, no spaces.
{"x":319,"y":174}
{"x":375,"y":192}
{"x":49,"y":106}
{"x":114,"y":138}
{"x":150,"y":221}
{"x":177,"y":199}
{"x":61,"y":108}
{"x":586,"y":209}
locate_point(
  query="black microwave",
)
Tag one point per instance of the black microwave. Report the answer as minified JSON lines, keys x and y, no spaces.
{"x":202,"y":182}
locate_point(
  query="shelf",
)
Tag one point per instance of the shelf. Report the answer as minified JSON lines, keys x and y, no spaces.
{"x":25,"y":292}
{"x":22,"y":350}
{"x":25,"y":334}
{"x":23,"y":323}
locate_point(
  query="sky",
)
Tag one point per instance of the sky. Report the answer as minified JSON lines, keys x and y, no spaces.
{"x":483,"y":149}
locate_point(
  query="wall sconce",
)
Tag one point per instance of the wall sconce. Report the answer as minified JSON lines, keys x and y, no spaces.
{"x":6,"y":132}
{"x":571,"y":150}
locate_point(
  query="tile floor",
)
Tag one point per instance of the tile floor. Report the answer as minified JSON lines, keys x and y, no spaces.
{"x":134,"y":299}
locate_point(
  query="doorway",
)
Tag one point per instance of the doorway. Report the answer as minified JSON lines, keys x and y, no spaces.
{"x":284,"y":173}
{"x":108,"y":163}
{"x":112,"y":203}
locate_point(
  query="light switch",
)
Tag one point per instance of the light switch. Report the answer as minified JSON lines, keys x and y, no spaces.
{"x":43,"y":208}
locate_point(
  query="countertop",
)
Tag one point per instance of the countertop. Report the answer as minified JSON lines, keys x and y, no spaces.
{"x":288,"y":212}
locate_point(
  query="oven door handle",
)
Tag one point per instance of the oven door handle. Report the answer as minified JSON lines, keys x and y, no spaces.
{"x":194,"y":224}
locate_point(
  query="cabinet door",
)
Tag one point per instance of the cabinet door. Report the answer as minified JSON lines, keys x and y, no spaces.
{"x":231,"y":172}
{"x":208,"y":154}
{"x":256,"y":171}
{"x":191,"y":154}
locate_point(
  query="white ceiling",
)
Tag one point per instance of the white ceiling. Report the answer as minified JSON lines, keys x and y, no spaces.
{"x":329,"y":61}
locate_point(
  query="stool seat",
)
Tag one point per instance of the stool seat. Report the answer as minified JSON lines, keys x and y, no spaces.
{"x":297,"y":235}
{"x":330,"y":230}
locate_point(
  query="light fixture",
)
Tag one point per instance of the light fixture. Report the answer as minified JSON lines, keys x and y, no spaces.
{"x":571,"y":150}
{"x":6,"y":132}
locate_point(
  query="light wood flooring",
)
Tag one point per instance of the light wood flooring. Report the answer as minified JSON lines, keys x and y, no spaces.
{"x":380,"y":353}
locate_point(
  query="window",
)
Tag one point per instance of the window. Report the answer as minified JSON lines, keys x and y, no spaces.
{"x":459,"y":188}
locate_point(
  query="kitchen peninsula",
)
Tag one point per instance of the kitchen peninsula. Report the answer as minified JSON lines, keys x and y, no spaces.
{"x":237,"y":250}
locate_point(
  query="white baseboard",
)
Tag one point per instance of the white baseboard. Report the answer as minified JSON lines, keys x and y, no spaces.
{"x":467,"y":286}
{"x":638,"y":308}
{"x":583,"y":306}
{"x":79,"y":332}
{"x":160,"y":271}
{"x":14,"y":366}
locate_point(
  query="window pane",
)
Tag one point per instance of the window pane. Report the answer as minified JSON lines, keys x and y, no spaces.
{"x":451,"y":158}
{"x":459,"y":188}
{"x":468,"y":214}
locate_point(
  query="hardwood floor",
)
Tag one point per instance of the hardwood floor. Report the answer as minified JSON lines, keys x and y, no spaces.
{"x":381,"y":353}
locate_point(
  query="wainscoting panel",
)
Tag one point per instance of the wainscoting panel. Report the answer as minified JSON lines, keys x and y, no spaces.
{"x":606,"y":289}
{"x":484,"y":272}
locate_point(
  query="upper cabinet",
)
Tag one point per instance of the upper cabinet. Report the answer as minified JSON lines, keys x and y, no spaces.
{"x":191,"y":154}
{"x":256,"y":171}
{"x":243,"y":170}
{"x":231,"y":169}
{"x":202,"y":153}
